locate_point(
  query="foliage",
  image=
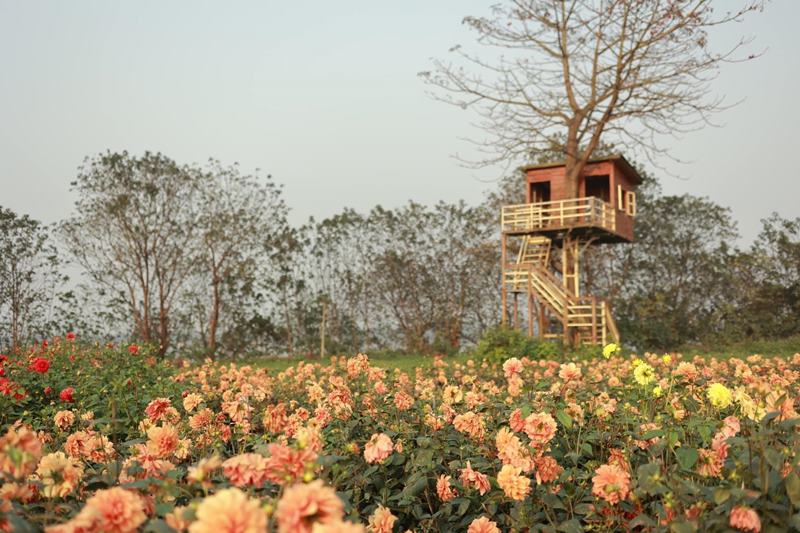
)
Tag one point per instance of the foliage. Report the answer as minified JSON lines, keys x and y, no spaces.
{"x":30,"y":279}
{"x":545,"y":445}
{"x":577,"y":73}
{"x":500,"y":343}
{"x":115,"y":383}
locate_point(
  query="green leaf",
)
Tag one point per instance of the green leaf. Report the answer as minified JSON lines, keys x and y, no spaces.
{"x":653,"y":433}
{"x":157,"y":526}
{"x":721,"y":495}
{"x":792,"y":483}
{"x":682,"y":527}
{"x":463,"y":508}
{"x":687,"y":457}
{"x":571,"y":526}
{"x":565,"y":419}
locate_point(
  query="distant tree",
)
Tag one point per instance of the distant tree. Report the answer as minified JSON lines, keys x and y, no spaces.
{"x":240,"y":219}
{"x":30,"y":278}
{"x":577,"y":72}
{"x":673,"y":285}
{"x":767,"y":282}
{"x":134,"y":231}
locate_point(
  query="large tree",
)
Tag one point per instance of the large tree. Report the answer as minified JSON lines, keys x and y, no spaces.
{"x":241,"y":218}
{"x":572,"y":73}
{"x":134,"y":232}
{"x":29,"y":278}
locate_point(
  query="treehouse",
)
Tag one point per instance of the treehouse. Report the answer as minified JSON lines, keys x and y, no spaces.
{"x":543,"y":239}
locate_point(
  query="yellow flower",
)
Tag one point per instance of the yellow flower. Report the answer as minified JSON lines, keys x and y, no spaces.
{"x":657,"y":391}
{"x":610,"y":349}
{"x":644,"y":374}
{"x":636,"y":362}
{"x":719,"y":395}
{"x":666,"y":359}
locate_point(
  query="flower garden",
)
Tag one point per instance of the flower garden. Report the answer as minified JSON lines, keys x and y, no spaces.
{"x":105,"y":438}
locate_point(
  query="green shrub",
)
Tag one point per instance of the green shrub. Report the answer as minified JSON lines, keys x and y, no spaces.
{"x":501,"y":343}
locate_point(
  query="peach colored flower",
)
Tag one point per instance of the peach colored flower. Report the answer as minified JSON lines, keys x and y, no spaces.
{"x":472,"y":424}
{"x":483,"y":525}
{"x":229,"y":511}
{"x":511,"y":452}
{"x":710,"y":462}
{"x":611,"y":483}
{"x":570,"y":372}
{"x":516,"y":420}
{"x":60,"y":474}
{"x":191,"y":401}
{"x":286,"y":464}
{"x":64,"y":419}
{"x":115,"y":510}
{"x":338,"y":527}
{"x":201,"y":420}
{"x":177,"y":519}
{"x":547,"y":469}
{"x":444,"y":490}
{"x":378,"y":448}
{"x":381,"y":520}
{"x":201,"y":473}
{"x":247,"y":469}
{"x":474,"y":479}
{"x":162,"y":441}
{"x":514,"y":485}
{"x":403,"y":401}
{"x":540,"y":428}
{"x":157,"y":408}
{"x":302,"y":505}
{"x":745,"y":519}
{"x":20,"y":450}
{"x":512,"y":367}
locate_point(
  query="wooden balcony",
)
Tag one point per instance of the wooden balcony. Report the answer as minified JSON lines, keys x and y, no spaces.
{"x":590,"y":215}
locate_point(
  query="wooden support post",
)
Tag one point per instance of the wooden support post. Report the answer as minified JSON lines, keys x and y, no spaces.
{"x":594,"y":320}
{"x":516,"y":310}
{"x":322,"y":329}
{"x":530,"y":314}
{"x":542,"y":321}
{"x":503,"y":291}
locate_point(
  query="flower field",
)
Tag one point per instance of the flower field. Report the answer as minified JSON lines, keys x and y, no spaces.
{"x":112,"y":439}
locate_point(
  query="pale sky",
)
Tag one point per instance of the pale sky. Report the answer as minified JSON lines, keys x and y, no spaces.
{"x":325,"y":97}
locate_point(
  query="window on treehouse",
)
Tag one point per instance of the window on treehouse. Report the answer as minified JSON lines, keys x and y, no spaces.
{"x":626,"y":201}
{"x":540,"y":192}
{"x":599,"y":187}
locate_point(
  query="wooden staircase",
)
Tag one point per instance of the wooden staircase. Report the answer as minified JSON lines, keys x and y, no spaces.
{"x":589,"y":318}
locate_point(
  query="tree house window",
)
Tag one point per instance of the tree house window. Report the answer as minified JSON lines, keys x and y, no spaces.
{"x":599,"y":187}
{"x":540,"y":192}
{"x":630,"y":203}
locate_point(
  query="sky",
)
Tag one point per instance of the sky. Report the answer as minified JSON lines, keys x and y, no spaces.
{"x":325,"y":97}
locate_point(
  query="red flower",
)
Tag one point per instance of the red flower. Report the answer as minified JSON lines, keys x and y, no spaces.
{"x":48,"y":391}
{"x":133,"y":349}
{"x":2,"y":371}
{"x":40,"y":365}
{"x":66,"y":395}
{"x":70,"y":336}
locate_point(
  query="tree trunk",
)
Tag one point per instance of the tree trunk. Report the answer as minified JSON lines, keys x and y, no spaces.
{"x":289,"y":340}
{"x":214,"y":318}
{"x":572,"y":167}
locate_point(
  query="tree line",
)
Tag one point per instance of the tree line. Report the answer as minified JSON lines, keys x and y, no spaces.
{"x":202,"y":259}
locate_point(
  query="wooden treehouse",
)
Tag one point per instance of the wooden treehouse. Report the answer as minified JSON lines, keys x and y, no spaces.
{"x":542,"y":241}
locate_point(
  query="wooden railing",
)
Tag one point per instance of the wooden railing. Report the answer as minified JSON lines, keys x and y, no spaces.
{"x":590,"y":316}
{"x":591,"y":211}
